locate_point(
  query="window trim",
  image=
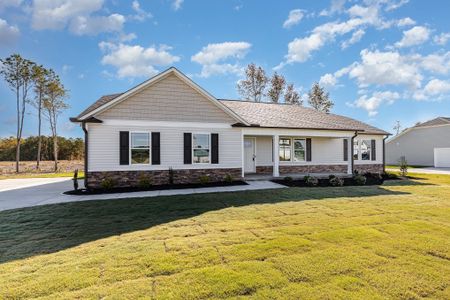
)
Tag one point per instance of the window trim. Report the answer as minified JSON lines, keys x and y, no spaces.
{"x":358,"y":154}
{"x":358,"y":147}
{"x":209,"y":148}
{"x":369,"y":147}
{"x":130,"y":143}
{"x":292,"y":149}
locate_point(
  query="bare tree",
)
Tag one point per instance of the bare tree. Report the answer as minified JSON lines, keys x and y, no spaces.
{"x":253,"y":86}
{"x":277,"y":83}
{"x":54,"y":104}
{"x":319,"y":99}
{"x":17,"y":73}
{"x":40,"y":79}
{"x":291,"y":96}
{"x":397,"y":127}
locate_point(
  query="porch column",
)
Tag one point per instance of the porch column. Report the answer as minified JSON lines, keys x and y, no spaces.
{"x":276,"y":155}
{"x":349,"y":155}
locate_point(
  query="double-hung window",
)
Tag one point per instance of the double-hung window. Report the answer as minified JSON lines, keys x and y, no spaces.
{"x":365,"y":149}
{"x":355,"y":149}
{"x":200,"y":148}
{"x":292,"y":149}
{"x":285,"y":149}
{"x":299,"y":149}
{"x":140,"y":148}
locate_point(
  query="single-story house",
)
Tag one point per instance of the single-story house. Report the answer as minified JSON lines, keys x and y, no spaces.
{"x":425,"y":144}
{"x":168,"y":126}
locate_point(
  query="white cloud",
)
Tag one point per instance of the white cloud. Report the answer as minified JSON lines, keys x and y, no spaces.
{"x":76,"y":14}
{"x":393,"y":5}
{"x":414,"y":36}
{"x":176,"y":4}
{"x":336,"y":6}
{"x":141,"y":15}
{"x":372,"y":103}
{"x":435,"y":88}
{"x":8,"y":33}
{"x":442,"y":39}
{"x":356,"y":37}
{"x":294,"y":17}
{"x":135,"y":60}
{"x":328,"y":80}
{"x":9,"y":3}
{"x":406,"y":22}
{"x":436,"y":63}
{"x":212,"y":56}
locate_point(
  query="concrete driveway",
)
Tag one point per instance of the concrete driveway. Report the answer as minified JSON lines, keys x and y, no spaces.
{"x":427,"y":170}
{"x":18,"y":193}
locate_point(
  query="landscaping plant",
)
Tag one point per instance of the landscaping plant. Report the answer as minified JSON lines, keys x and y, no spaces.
{"x":311,"y":180}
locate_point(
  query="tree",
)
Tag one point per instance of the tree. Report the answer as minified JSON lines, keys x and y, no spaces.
{"x":40,"y":78}
{"x":291,"y":96}
{"x":277,"y":83}
{"x":54,"y":104}
{"x":253,"y":86}
{"x":17,"y":73}
{"x":397,"y":127}
{"x":318,"y":98}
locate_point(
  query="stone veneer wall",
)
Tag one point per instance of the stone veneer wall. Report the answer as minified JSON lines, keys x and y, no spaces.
{"x":159,"y":177}
{"x":373,"y":168}
{"x":306,"y":169}
{"x":264,"y":170}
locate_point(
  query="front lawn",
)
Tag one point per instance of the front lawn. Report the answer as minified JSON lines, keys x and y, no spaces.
{"x":348,"y":242}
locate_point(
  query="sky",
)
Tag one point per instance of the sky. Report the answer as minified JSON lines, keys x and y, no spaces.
{"x":382,"y":61}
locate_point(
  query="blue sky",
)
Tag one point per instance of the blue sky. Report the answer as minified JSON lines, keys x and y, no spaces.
{"x":381,"y":60}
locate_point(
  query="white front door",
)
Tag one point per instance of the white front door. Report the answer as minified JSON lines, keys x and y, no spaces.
{"x":249,"y":155}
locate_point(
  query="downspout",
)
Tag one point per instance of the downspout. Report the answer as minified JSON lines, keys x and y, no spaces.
{"x":384,"y":153}
{"x":352,"y":150}
{"x":83,"y":125}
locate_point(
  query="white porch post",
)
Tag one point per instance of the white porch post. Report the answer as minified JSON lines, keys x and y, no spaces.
{"x":349,"y":155}
{"x":242,"y":154}
{"x":276,"y":156}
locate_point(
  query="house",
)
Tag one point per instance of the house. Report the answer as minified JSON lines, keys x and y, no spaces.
{"x":425,"y":144}
{"x":168,"y":126}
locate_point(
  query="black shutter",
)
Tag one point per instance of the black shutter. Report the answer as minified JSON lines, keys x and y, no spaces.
{"x":187,"y":148}
{"x":308,"y":149}
{"x":214,"y":148}
{"x":345,"y":149}
{"x":156,"y":148}
{"x":373,"y":149}
{"x":124,"y":148}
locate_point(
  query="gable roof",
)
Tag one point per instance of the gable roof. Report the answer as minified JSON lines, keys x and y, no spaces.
{"x":434,"y":122}
{"x":274,"y":115}
{"x":109,"y":100}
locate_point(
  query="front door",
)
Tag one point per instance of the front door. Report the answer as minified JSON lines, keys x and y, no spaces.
{"x":249,"y":155}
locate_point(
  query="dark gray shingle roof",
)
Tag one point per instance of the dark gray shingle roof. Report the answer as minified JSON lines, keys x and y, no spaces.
{"x":101,"y":101}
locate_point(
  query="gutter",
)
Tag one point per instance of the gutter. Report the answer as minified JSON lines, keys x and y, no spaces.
{"x":384,"y":153}
{"x":83,"y":126}
{"x":352,"y":150}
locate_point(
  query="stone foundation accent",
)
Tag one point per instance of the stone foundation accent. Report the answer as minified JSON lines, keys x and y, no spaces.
{"x":306,"y":169}
{"x":160,"y":177}
{"x":264,"y":170}
{"x":372,"y":168}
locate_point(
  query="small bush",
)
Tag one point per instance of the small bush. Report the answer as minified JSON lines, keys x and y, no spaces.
{"x":107,"y":183}
{"x":288,"y":179}
{"x":335,"y":181}
{"x":144,"y":181}
{"x":403,"y":164}
{"x":228,"y":178}
{"x":311,"y":180}
{"x":204,"y":179}
{"x":360,"y":179}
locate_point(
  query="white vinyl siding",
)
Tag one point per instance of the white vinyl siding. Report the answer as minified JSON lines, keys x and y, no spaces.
{"x":104,"y":147}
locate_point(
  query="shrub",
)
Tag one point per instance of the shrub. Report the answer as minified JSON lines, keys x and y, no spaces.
{"x":288,"y":178}
{"x":75,"y":179}
{"x":360,"y":179}
{"x":107,"y":183}
{"x":144,"y":181}
{"x":204,"y":179}
{"x":228,"y":178}
{"x":311,"y":180}
{"x":403,"y":164}
{"x":335,"y":181}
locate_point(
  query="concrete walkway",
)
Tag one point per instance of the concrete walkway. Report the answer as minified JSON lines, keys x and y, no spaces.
{"x":17,"y":193}
{"x":427,"y":170}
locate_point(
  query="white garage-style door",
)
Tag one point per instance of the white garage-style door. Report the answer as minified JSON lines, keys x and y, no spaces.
{"x":442,"y":157}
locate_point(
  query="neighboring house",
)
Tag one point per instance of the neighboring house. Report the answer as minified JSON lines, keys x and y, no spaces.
{"x":168,"y":126}
{"x":418,"y":143}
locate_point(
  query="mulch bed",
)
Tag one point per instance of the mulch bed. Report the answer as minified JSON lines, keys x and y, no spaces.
{"x":324,"y":182}
{"x":84,"y":192}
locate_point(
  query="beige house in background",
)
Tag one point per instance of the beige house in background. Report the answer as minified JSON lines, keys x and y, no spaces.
{"x":169,"y":127}
{"x":426,"y":144}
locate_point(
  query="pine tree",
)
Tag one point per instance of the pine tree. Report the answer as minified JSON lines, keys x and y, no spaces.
{"x":318,"y":98}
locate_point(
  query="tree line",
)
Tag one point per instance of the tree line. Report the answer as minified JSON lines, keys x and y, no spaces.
{"x":40,"y":87}
{"x":258,"y":87}
{"x":68,"y":148}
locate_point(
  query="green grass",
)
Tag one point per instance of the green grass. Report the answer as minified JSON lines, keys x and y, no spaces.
{"x":397,"y":166}
{"x":41,"y":175}
{"x":389,"y":242}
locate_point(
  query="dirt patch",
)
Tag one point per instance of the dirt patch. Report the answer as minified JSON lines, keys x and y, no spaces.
{"x":9,"y":167}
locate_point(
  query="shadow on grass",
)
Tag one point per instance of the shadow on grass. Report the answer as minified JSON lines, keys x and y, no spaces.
{"x":37,"y":230}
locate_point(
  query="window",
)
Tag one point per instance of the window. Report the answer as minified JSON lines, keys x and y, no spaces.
{"x":355,"y":150}
{"x":140,"y":148}
{"x":200,"y":148}
{"x":365,"y":149}
{"x":299,"y":149}
{"x":285,"y":149}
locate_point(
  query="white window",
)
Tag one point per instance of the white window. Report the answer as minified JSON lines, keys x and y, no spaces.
{"x":355,"y":150}
{"x":285,"y":149}
{"x":299,"y":149}
{"x":365,"y":149}
{"x":140,"y":148}
{"x":200,"y":148}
